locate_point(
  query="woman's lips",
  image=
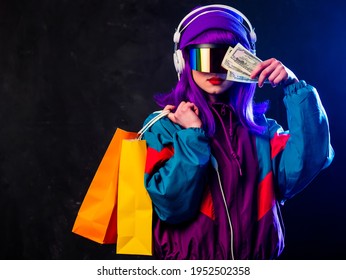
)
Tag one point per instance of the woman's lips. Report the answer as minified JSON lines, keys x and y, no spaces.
{"x":215,"y":81}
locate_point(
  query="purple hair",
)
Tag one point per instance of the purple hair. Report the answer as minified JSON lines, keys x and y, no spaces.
{"x":240,"y":94}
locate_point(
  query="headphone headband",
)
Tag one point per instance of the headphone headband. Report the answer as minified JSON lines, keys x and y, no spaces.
{"x":178,"y":57}
{"x":179,"y":30}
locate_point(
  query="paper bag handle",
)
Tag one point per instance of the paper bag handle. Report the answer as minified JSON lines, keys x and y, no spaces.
{"x":161,"y":114}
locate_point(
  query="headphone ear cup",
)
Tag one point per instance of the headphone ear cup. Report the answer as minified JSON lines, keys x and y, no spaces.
{"x":253,"y":36}
{"x":179,"y":62}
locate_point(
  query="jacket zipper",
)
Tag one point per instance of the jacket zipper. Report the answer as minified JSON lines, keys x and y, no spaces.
{"x":233,"y":154}
{"x":215,"y":165}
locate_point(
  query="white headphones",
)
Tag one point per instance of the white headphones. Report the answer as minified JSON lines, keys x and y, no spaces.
{"x":178,"y":58}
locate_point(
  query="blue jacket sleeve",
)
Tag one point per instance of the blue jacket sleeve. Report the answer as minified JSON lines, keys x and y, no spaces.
{"x":177,"y":185}
{"x":308,"y":149}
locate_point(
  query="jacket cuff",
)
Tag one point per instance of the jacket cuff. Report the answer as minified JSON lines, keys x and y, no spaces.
{"x":293,"y":88}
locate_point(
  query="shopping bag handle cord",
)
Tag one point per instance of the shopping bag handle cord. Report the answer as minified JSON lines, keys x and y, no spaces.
{"x":161,"y":114}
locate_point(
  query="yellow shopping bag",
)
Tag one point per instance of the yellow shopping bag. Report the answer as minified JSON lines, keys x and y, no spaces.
{"x":96,"y":218}
{"x":134,"y":203}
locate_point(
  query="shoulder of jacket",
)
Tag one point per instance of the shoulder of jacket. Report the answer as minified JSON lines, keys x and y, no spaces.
{"x":164,"y":126}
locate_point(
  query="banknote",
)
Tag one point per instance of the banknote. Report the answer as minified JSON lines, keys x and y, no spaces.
{"x":230,"y":66}
{"x":240,"y":60}
{"x":232,"y":76}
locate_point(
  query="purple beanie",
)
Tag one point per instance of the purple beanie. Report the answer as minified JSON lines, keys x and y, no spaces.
{"x":221,"y":19}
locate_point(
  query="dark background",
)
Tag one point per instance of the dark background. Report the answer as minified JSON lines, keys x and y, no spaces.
{"x":71,"y":72}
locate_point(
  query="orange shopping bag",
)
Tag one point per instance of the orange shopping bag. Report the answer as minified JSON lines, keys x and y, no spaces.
{"x":96,"y":218}
{"x":99,"y":215}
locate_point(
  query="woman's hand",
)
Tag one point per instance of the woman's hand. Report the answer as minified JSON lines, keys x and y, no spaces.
{"x":276,"y":73}
{"x":186,"y":115}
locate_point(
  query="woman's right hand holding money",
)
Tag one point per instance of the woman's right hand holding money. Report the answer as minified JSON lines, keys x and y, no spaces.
{"x":276,"y":73}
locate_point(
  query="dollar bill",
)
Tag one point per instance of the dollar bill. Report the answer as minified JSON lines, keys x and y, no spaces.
{"x":235,"y":70}
{"x":230,"y":66}
{"x":232,"y":76}
{"x":240,"y":60}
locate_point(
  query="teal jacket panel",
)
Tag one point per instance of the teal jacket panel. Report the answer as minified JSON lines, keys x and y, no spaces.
{"x":176,"y":187}
{"x":308,"y":149}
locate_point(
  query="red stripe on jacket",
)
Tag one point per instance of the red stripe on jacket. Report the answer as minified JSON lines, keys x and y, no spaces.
{"x":207,"y":206}
{"x":278,"y":143}
{"x":156,"y":159}
{"x":266,"y":195}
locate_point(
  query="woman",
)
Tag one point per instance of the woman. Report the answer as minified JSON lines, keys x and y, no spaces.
{"x":217,"y":169}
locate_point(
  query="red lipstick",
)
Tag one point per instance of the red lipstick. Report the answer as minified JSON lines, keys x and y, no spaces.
{"x":215,"y":81}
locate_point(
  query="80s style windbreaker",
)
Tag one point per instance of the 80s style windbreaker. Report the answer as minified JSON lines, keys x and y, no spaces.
{"x":220,"y":198}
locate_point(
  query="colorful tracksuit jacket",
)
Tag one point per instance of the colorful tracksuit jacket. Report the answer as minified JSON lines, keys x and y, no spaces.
{"x":220,"y":197}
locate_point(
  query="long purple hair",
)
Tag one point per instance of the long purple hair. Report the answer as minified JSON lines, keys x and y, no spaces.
{"x":240,"y":95}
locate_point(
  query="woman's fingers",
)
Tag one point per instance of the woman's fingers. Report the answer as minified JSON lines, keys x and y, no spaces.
{"x":273,"y":71}
{"x":186,"y":115}
{"x":169,"y":107}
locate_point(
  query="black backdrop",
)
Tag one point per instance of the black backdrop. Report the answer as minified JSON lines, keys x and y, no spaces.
{"x":71,"y":72}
